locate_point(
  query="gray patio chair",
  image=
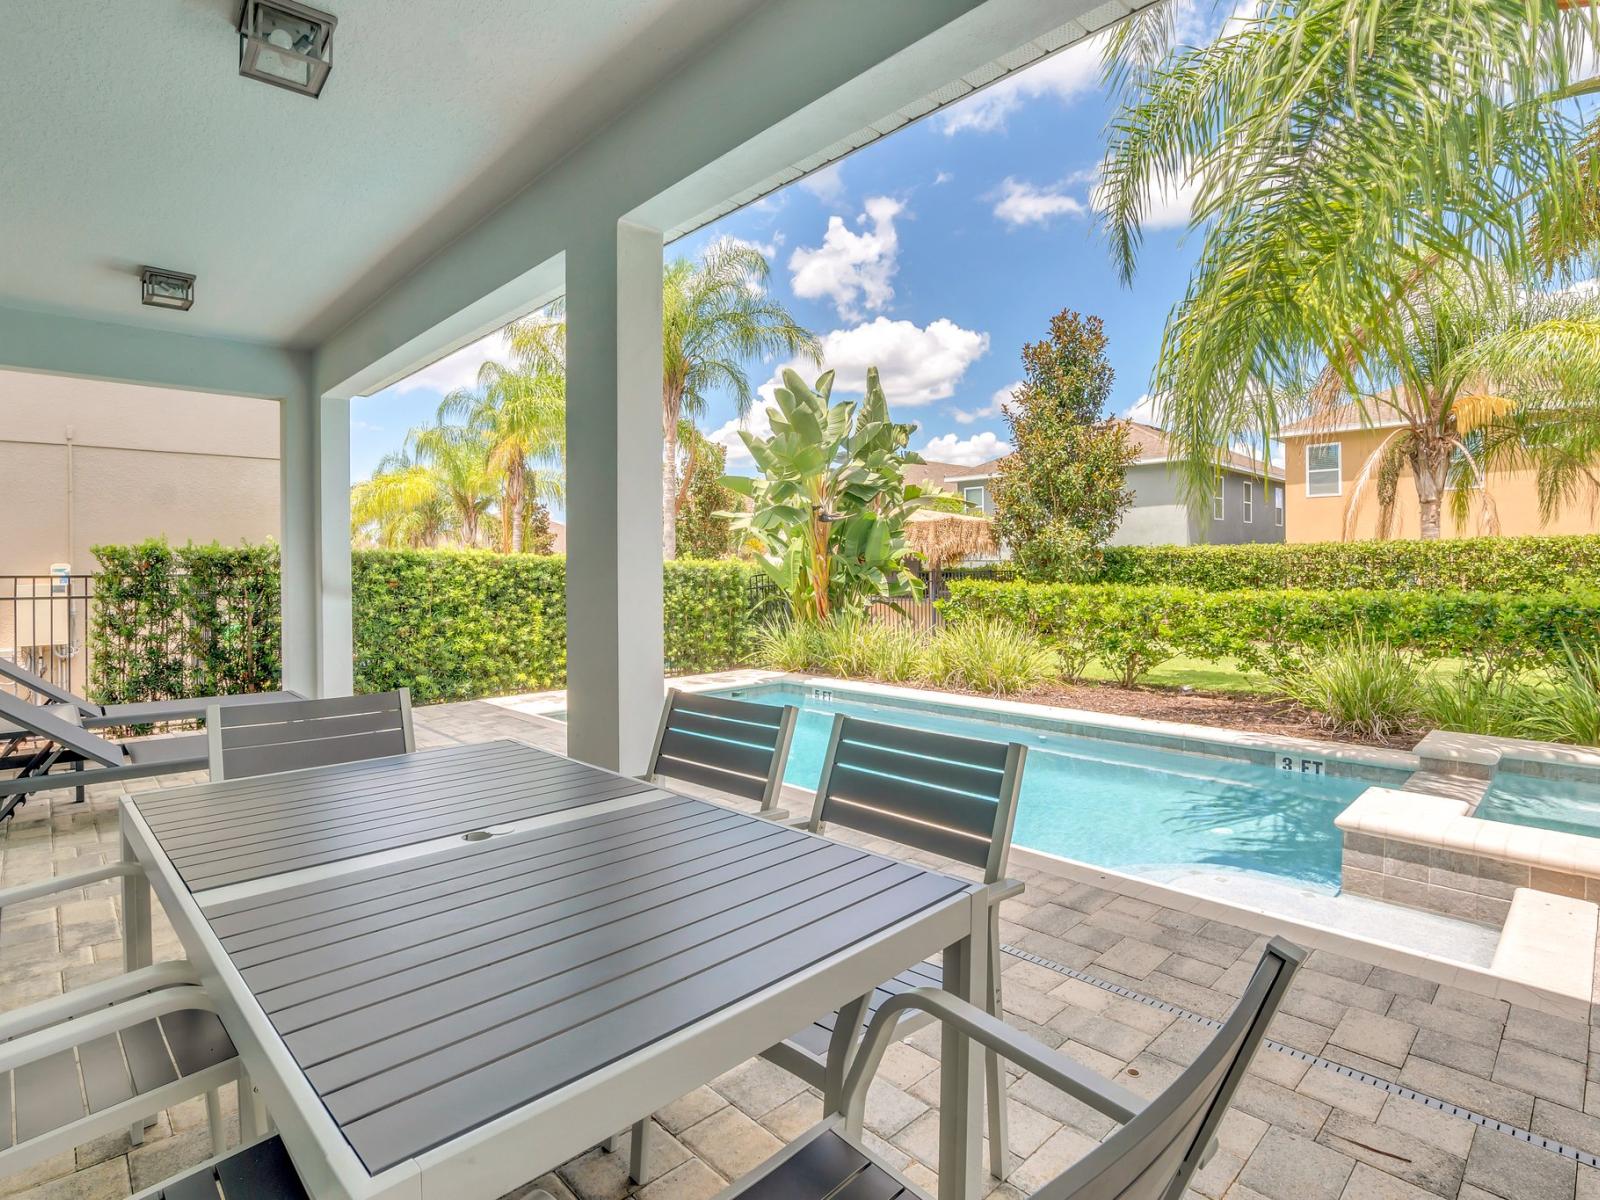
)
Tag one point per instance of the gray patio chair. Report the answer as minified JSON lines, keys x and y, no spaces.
{"x":109,"y":1057}
{"x":286,"y":735}
{"x":147,"y":712}
{"x":731,"y":746}
{"x":58,"y":740}
{"x":1153,"y":1156}
{"x":261,"y":1170}
{"x":951,"y":796}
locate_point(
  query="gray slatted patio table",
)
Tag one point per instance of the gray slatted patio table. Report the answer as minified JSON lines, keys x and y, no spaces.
{"x":448,"y":972}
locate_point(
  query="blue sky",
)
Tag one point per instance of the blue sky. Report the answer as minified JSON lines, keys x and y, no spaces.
{"x":934,"y":253}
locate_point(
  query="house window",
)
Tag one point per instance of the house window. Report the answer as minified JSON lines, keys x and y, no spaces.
{"x":973,"y":496}
{"x":1322,"y":469}
{"x":1217,"y":506}
{"x":1277,"y":507}
{"x":1249,"y":509}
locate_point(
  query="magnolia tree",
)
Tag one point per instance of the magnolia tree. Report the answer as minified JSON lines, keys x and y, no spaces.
{"x":828,"y":512}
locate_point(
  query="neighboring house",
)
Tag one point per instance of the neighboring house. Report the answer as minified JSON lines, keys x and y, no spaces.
{"x":1248,"y":507}
{"x":88,"y":462}
{"x":1325,"y":457}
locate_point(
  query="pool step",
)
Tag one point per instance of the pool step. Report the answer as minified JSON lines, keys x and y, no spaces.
{"x":1547,"y":943}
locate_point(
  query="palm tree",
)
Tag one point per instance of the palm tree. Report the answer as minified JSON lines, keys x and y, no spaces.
{"x":400,"y":505}
{"x":1490,"y":378}
{"x":456,"y":460}
{"x":518,"y":413}
{"x":716,"y":316}
{"x":1349,"y":157}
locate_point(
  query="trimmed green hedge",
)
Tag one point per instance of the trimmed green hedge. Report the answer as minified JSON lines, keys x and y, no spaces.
{"x":1131,"y":629}
{"x":1488,"y":564}
{"x":448,"y":624}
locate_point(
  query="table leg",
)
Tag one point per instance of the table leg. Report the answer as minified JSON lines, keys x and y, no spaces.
{"x":136,"y":946}
{"x":961,"y":1068}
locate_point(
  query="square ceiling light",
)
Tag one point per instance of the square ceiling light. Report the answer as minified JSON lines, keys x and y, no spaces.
{"x":286,"y":44}
{"x":160,"y":288}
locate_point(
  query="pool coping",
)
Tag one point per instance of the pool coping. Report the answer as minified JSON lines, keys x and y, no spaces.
{"x":1264,"y":748}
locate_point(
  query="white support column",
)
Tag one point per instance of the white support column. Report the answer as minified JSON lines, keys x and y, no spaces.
{"x":614,"y":447}
{"x":314,"y":444}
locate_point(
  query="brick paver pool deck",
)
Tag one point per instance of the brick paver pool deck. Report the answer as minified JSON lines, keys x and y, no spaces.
{"x":1115,"y":982}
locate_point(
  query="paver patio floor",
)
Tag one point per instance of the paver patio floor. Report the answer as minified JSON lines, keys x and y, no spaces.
{"x":1298,"y":1130}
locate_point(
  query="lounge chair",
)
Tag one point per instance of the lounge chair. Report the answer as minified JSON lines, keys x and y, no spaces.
{"x":731,"y":746}
{"x":1153,"y":1156}
{"x":62,"y":742}
{"x":286,"y":735}
{"x":148,"y":712}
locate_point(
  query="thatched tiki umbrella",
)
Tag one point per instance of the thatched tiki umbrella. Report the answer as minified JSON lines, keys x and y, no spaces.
{"x":943,"y":538}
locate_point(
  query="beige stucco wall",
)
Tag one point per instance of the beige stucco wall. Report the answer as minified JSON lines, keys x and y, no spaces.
{"x":87,"y":462}
{"x":1322,"y":518}
{"x":145,"y":462}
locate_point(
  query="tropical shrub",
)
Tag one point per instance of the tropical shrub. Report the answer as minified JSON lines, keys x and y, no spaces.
{"x":989,"y":656}
{"x":828,"y":511}
{"x":1358,"y":685}
{"x":1569,"y":708}
{"x":1475,"y":701}
{"x":1484,"y":564}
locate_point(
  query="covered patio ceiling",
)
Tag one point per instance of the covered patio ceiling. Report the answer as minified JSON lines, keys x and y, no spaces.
{"x":464,"y":164}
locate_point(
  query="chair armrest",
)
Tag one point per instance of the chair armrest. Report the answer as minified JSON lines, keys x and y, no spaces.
{"x":79,"y":1002}
{"x":1004,"y":889}
{"x":1076,"y":1080}
{"x":64,"y":1035}
{"x":61,"y":883}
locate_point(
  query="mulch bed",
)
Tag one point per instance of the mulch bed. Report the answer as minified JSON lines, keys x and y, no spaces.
{"x":1257,"y":714}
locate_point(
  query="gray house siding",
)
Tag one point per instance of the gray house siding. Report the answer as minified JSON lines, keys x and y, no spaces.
{"x":1160,"y":517}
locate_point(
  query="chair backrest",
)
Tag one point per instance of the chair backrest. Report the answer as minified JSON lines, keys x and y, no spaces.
{"x":1154,"y":1156}
{"x":286,"y":735}
{"x":948,"y":795}
{"x":732,"y":746}
{"x":61,"y":727}
{"x":40,"y":686}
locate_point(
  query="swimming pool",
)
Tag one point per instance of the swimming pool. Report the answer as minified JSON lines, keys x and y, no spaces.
{"x":1135,"y":808}
{"x":1565,"y":805}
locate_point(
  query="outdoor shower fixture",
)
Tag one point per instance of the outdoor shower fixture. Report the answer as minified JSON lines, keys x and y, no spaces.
{"x":286,"y":44}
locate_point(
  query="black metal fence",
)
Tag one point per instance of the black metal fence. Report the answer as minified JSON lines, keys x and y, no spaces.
{"x":44,"y":625}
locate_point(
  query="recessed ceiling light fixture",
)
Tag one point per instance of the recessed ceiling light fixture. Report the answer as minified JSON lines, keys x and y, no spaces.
{"x":286,"y":44}
{"x":161,"y":288}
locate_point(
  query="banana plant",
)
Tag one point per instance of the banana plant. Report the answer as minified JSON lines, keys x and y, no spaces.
{"x":828,"y":511}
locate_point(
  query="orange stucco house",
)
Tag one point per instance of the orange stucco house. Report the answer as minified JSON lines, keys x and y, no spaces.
{"x":1324,"y":458}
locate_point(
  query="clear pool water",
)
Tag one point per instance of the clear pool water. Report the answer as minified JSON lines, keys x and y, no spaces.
{"x":1567,"y":805}
{"x":1121,"y":805}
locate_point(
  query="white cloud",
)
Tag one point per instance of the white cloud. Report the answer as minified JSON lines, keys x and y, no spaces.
{"x":1169,"y":202}
{"x":1147,"y":411}
{"x":917,"y":364}
{"x":825,"y":183}
{"x":727,"y":434}
{"x":967,"y":452}
{"x":999,"y":404}
{"x":852,"y":269}
{"x":768,"y":249}
{"x":1023,"y":203}
{"x":942,"y":177}
{"x":457,"y":370}
{"x":1071,"y":73}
